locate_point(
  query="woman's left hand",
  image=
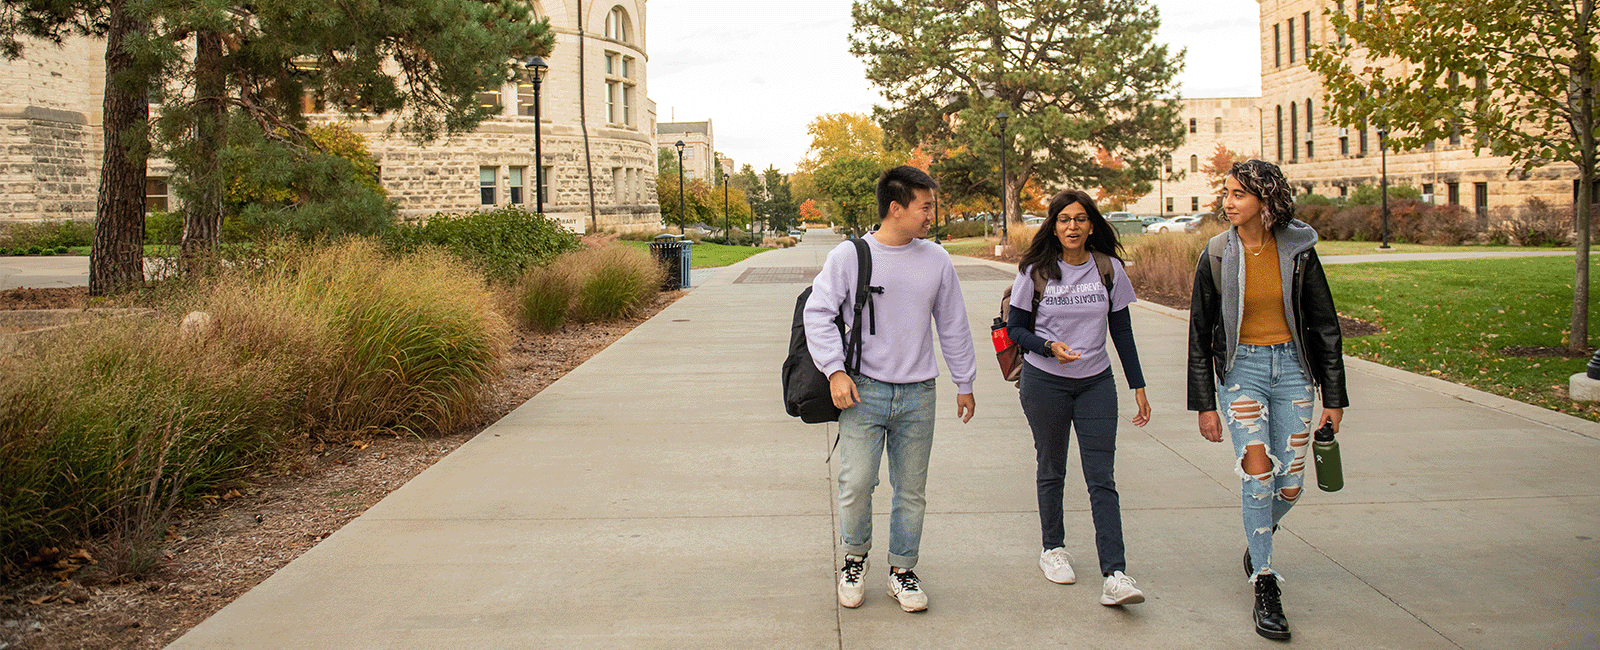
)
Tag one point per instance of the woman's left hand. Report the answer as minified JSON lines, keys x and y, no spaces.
{"x":1331,"y":415}
{"x":1143,"y":417}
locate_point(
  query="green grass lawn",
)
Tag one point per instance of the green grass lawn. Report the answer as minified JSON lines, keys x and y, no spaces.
{"x":1328,"y":248}
{"x":708,"y":256}
{"x":1452,"y":319}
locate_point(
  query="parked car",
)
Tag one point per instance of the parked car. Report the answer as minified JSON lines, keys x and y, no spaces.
{"x":1186,"y":223}
{"x":1149,"y":220}
{"x":796,"y":233}
{"x":1033,"y":221}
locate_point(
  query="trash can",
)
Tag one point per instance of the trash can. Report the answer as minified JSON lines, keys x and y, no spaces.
{"x":672,"y":252}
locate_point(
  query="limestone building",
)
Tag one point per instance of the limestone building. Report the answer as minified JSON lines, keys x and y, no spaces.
{"x":1232,"y":122}
{"x":699,"y":147}
{"x":1330,"y":160}
{"x":599,"y":159}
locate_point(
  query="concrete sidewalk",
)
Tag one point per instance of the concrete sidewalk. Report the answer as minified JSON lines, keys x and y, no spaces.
{"x":658,"y":497}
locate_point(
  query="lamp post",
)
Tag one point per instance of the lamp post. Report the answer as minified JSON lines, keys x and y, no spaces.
{"x":1383,"y":151}
{"x":1005,"y":213}
{"x":533,"y":72}
{"x":727,"y":234}
{"x":681,"y":217}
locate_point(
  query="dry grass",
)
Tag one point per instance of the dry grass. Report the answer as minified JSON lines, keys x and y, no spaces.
{"x":1165,"y":262}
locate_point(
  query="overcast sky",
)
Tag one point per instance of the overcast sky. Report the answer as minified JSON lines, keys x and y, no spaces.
{"x":761,"y":70}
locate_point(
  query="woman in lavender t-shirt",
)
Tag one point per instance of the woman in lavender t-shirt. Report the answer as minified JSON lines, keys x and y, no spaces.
{"x":1067,"y":380}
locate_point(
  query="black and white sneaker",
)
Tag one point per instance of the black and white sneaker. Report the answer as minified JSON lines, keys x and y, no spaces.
{"x":906,"y":588}
{"x":851,"y":590}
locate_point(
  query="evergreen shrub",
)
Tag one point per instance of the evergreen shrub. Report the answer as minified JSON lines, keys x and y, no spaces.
{"x":502,"y":244}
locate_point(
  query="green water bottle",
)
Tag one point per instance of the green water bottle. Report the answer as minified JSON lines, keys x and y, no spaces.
{"x":1325,"y":451}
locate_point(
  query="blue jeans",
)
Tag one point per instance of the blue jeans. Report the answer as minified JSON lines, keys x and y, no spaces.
{"x":900,"y":417}
{"x":1054,"y":406}
{"x":1267,"y":399}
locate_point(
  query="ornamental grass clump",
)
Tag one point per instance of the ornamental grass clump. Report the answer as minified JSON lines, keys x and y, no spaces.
{"x":415,"y":341}
{"x":544,"y":296}
{"x":612,"y":282}
{"x":1166,"y":264}
{"x":105,"y":427}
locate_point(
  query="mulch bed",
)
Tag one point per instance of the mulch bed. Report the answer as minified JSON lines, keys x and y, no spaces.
{"x":64,"y":298}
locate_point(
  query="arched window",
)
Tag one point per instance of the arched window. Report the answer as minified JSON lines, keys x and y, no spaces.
{"x":617,"y":25}
{"x":1194,"y":163}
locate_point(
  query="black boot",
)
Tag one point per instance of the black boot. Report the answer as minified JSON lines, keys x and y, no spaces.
{"x":1270,"y":621}
{"x":1249,"y":567}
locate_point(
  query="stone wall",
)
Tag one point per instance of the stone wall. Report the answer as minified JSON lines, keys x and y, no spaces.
{"x":50,"y":168}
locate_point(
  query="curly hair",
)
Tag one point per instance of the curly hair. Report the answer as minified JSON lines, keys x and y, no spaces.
{"x":1046,"y":247}
{"x":1266,"y":182}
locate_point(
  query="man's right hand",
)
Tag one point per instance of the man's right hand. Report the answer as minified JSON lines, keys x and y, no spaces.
{"x":843,"y":389}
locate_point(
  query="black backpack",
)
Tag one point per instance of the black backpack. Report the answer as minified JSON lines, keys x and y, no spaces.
{"x":806,"y":393}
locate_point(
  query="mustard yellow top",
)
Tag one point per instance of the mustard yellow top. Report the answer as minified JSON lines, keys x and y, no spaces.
{"x":1264,"y":323}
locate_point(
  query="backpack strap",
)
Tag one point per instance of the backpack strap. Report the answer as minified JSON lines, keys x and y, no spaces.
{"x":1214,"y":251}
{"x":1102,"y":263}
{"x":863,"y":299}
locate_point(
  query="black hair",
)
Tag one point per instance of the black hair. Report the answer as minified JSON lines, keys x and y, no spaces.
{"x":1046,"y":247}
{"x":899,"y":185}
{"x":1265,"y":181}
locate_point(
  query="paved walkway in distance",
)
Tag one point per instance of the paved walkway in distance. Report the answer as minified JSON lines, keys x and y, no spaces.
{"x":658,"y":497}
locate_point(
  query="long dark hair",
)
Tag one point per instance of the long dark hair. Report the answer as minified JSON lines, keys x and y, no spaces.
{"x":1046,"y":247}
{"x":1265,"y":181}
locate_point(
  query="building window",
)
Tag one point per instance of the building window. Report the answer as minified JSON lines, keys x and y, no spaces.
{"x":489,"y":99}
{"x":1344,"y":142}
{"x":1194,"y":204}
{"x":1194,"y":125}
{"x":1480,"y":196}
{"x":611,"y":62}
{"x":1594,"y":192}
{"x":1219,"y":126}
{"x":525,"y":98}
{"x":1168,"y":164}
{"x":1305,"y":22}
{"x":156,"y":193}
{"x":1291,"y":41}
{"x":1452,"y":192}
{"x":1361,"y":149}
{"x":1277,"y":47}
{"x":544,"y":183}
{"x":1427,"y":192}
{"x":486,"y":185}
{"x":688,"y":153}
{"x":627,"y":104}
{"x":1338,"y":8}
{"x":1294,"y":132}
{"x":1169,"y":204}
{"x":613,"y":92}
{"x":1309,"y":123}
{"x":1361,"y":10}
{"x":1194,"y":163}
{"x":1344,"y":190}
{"x":617,"y":25}
{"x":514,"y":185}
{"x":1280,"y":133}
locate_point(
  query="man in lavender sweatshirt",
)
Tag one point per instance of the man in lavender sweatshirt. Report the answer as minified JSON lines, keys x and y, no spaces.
{"x":890,"y":402}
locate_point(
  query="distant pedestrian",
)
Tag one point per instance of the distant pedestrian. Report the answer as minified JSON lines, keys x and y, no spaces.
{"x":890,"y":403}
{"x":1263,"y":341}
{"x":1067,"y":380}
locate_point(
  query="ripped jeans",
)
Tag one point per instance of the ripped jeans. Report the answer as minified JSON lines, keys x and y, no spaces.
{"x":1266,"y":400}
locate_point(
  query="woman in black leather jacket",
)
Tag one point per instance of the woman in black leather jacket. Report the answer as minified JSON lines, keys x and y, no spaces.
{"x":1263,"y":335}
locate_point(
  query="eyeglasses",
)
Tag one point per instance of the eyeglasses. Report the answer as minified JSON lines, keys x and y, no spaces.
{"x":1078,"y":220}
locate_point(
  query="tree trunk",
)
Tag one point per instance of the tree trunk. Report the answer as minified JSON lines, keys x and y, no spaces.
{"x":202,"y":218}
{"x":116,"y":262}
{"x":1578,"y":332}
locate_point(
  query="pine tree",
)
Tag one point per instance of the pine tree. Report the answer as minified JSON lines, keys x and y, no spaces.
{"x":1073,"y":77}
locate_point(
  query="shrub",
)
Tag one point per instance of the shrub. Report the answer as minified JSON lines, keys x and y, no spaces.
{"x":1302,"y":200}
{"x":1167,"y":264}
{"x":62,"y":250}
{"x":35,"y":250}
{"x":959,"y":229}
{"x":163,"y":228}
{"x":5,"y":251}
{"x":49,"y":234}
{"x":612,"y":282}
{"x":544,"y":297}
{"x":501,"y":244}
{"x":779,"y":242}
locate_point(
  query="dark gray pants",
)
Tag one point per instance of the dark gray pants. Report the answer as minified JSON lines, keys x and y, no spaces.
{"x":1054,"y":405}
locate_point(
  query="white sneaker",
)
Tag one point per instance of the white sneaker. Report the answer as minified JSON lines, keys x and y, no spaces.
{"x":1057,"y":566}
{"x":906,"y":588}
{"x":851,"y":589}
{"x":1120,"y":591}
